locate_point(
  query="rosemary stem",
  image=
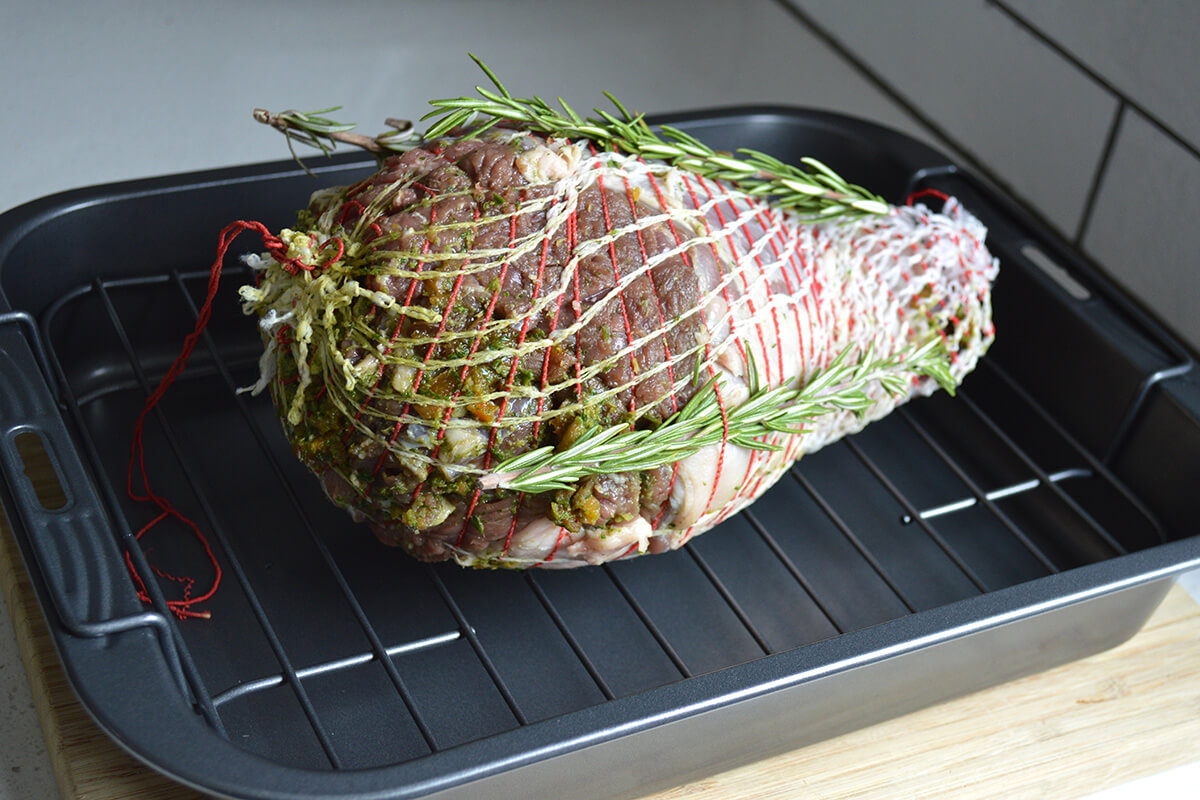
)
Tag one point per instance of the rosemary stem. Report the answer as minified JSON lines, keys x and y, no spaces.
{"x":371,"y":144}
{"x":841,"y":387}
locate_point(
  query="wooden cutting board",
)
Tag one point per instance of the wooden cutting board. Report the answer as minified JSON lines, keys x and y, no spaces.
{"x":1131,"y":711}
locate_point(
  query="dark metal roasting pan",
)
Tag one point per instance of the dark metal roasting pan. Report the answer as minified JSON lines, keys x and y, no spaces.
{"x":1036,"y":518}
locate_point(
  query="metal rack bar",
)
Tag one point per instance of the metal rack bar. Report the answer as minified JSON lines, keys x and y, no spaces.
{"x":984,"y":498}
{"x":476,"y":645}
{"x":911,"y":510}
{"x":729,"y":599}
{"x":1100,"y":466}
{"x":565,"y":630}
{"x":653,"y":628}
{"x":1125,"y":428}
{"x":836,"y":519}
{"x":790,"y":565}
{"x":1042,"y":477}
{"x":234,"y":564}
{"x":997,"y":494}
{"x":325,"y":668}
{"x":377,"y":646}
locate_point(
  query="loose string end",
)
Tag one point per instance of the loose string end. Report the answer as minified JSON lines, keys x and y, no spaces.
{"x":137,"y":463}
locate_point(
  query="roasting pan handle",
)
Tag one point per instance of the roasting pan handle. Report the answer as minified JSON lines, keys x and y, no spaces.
{"x":54,"y":501}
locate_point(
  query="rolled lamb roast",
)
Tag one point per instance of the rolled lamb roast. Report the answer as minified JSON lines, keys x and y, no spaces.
{"x":516,"y":349}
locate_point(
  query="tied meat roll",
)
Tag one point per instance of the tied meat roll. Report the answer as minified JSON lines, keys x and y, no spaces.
{"x":487,"y":296}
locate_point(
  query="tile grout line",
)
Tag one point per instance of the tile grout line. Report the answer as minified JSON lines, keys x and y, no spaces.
{"x":867,"y":72}
{"x":1095,"y":76}
{"x":972,"y":161}
{"x":1089,"y":202}
{"x":1123,"y":101}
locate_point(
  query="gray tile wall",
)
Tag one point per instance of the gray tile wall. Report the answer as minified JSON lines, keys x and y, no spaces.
{"x":1145,"y":50}
{"x":1088,"y":112}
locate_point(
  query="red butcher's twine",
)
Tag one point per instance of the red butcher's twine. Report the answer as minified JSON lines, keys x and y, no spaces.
{"x":184,"y":608}
{"x":917,"y":195}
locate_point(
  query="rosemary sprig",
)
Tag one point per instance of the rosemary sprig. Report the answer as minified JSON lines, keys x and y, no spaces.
{"x":812,"y":189}
{"x":314,"y":129}
{"x":841,"y":386}
{"x":817,"y":191}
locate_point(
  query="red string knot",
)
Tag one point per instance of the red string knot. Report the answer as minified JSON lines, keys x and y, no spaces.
{"x":297,"y":252}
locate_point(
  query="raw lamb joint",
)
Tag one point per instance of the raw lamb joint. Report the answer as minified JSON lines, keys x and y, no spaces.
{"x":487,"y":349}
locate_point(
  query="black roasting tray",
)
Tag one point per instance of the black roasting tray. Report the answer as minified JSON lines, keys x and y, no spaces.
{"x":1038,"y":517}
